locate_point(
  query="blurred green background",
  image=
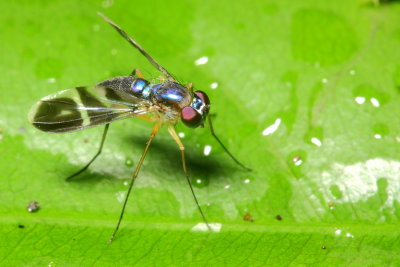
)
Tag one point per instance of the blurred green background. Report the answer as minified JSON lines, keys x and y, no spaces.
{"x":304,"y":92}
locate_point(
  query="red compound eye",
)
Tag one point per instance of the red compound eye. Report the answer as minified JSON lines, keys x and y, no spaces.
{"x":190,"y":117}
{"x":203,"y":96}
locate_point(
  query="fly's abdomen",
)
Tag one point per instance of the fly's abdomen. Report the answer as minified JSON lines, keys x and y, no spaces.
{"x":141,"y":88}
{"x":137,"y":87}
{"x":122,"y":83}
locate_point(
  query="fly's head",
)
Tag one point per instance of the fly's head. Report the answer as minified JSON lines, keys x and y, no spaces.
{"x":195,"y":114}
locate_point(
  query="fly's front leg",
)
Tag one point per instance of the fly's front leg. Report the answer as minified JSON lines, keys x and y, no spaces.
{"x":223,"y":146}
{"x":171,"y":130}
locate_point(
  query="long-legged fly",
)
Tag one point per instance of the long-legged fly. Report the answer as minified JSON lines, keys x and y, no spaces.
{"x":123,"y":97}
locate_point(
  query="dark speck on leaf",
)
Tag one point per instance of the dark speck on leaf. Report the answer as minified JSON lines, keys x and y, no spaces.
{"x":21,"y":226}
{"x":278,"y":217}
{"x":248,"y":217}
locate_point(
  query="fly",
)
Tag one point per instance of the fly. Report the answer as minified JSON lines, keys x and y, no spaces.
{"x":125,"y":97}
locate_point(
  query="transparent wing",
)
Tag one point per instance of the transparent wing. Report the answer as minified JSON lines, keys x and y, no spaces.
{"x":83,"y":107}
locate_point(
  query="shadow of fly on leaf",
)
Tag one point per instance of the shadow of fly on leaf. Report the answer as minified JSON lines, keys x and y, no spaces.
{"x":163,"y":103}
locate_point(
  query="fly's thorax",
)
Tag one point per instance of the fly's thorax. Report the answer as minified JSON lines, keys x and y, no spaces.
{"x":170,"y":95}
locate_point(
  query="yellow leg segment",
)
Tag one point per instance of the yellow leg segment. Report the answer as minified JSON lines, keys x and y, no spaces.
{"x":137,"y":73}
{"x":146,"y":118}
{"x":171,"y":130}
{"x":154,"y":131}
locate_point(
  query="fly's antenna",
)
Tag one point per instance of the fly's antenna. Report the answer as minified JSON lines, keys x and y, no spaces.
{"x":135,"y":44}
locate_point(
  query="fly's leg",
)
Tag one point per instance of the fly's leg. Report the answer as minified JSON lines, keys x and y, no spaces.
{"x":137,"y":46}
{"x":222,"y":145}
{"x":190,"y":87}
{"x":162,"y":79}
{"x":154,"y":131}
{"x":137,"y":73}
{"x":146,"y":118}
{"x":182,"y":149}
{"x":103,"y":138}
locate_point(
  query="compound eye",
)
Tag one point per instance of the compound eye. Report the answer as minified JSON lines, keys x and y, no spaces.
{"x":190,"y":117}
{"x":203,"y":96}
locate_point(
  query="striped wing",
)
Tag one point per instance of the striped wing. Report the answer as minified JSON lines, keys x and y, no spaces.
{"x":83,"y":107}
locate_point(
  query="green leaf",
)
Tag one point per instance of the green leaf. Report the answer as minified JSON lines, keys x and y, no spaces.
{"x":307,"y":96}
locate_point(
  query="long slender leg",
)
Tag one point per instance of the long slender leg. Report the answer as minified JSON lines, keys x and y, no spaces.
{"x":155,"y":129}
{"x":182,"y":148}
{"x":103,"y":138}
{"x":137,"y":46}
{"x":222,"y":145}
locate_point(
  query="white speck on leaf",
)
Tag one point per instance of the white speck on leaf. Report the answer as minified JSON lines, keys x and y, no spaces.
{"x":201,"y":61}
{"x":202,"y":227}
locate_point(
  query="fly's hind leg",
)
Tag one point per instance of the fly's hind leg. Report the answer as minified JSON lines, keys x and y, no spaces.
{"x":103,"y":138}
{"x":171,"y":130}
{"x":137,"y":73}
